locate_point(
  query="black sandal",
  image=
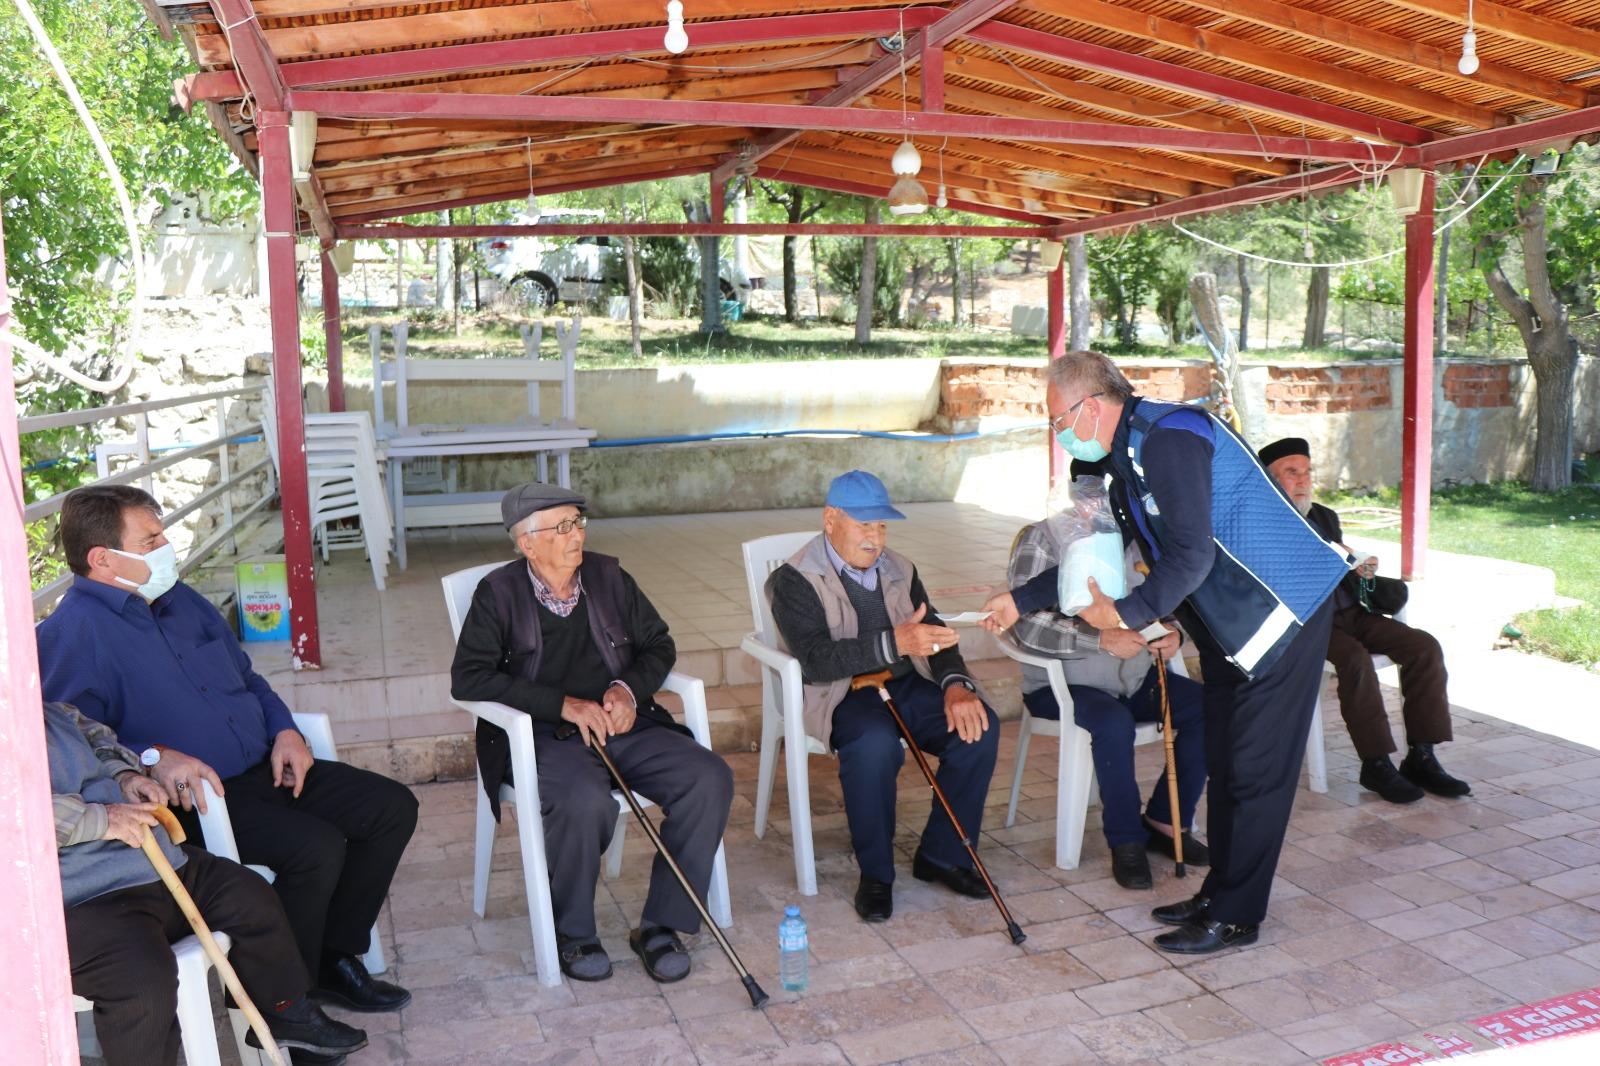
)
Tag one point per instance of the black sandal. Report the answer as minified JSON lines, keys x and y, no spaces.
{"x":657,"y":945}
{"x":577,"y":959}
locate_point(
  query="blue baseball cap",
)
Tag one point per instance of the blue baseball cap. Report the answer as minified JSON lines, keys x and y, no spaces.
{"x":861,"y":496}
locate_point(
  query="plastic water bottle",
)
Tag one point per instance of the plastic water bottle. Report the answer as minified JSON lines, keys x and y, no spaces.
{"x":793,"y":962}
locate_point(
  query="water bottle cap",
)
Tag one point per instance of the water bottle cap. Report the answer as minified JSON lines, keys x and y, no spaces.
{"x":791,"y":911}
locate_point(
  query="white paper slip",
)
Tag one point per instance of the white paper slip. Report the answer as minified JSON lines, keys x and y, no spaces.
{"x":965,"y":618}
{"x":1154,"y":631}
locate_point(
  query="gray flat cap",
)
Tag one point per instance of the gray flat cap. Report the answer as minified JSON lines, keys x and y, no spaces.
{"x":524,"y":500}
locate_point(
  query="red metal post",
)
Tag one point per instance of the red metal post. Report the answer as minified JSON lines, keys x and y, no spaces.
{"x":35,"y":993}
{"x":277,"y":198}
{"x":933,"y":79}
{"x":1416,"y":463}
{"x":1055,"y":301}
{"x":330,"y":325}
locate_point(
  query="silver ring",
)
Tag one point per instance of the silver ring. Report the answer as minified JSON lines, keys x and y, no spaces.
{"x":936,"y":649}
{"x":182,"y":785}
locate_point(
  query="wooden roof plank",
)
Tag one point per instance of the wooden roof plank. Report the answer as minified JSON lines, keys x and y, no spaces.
{"x":1321,"y":75}
{"x":1381,"y":45}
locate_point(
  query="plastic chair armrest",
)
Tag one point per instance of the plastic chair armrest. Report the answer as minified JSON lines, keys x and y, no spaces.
{"x":318,"y":731}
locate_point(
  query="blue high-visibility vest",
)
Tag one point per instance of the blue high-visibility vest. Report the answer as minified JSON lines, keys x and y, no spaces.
{"x":1272,"y":569}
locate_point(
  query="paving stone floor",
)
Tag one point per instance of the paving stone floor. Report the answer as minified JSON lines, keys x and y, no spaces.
{"x":1386,"y":922}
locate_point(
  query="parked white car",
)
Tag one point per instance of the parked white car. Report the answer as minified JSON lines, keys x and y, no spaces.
{"x":539,"y":272}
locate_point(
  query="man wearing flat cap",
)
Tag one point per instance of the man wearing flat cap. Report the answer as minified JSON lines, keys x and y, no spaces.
{"x":1362,"y":628}
{"x":566,"y":636}
{"x":847,"y":605}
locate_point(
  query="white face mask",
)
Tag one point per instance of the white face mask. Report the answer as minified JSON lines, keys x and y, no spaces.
{"x":163,"y":564}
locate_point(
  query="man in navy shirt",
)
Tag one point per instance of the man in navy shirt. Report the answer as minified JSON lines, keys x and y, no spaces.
{"x":133,"y":647}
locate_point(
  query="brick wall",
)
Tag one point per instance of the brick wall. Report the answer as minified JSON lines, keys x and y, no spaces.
{"x":1327,"y":390}
{"x":969,"y":391}
{"x":1478,"y":384}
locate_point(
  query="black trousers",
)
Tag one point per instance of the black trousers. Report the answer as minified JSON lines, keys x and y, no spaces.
{"x":119,"y":947}
{"x":333,"y":851}
{"x":1255,"y":743}
{"x":693,"y":786}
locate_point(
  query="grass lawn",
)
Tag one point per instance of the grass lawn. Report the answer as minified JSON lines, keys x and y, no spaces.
{"x":1508,"y":520}
{"x":605,"y":343}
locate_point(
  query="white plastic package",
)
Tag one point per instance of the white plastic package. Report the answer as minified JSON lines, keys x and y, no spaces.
{"x":1092,"y":547}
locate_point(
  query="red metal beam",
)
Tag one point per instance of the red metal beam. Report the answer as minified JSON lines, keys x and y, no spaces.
{"x":1530,"y":134}
{"x":1199,"y":83}
{"x":797,"y":117}
{"x":445,"y":203}
{"x":1254,"y":193}
{"x":686,"y":229}
{"x":531,"y":51}
{"x":335,"y":339}
{"x":1416,"y":431}
{"x":33,"y":939}
{"x":277,"y":201}
{"x":962,"y":17}
{"x":856,"y":188}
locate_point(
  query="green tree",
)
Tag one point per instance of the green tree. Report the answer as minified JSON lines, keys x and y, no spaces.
{"x":1546,"y":224}
{"x":1128,"y":270}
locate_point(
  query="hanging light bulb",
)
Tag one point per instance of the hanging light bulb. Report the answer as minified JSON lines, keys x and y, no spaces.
{"x":1468,"y":63}
{"x":676,"y":41}
{"x":908,"y":197}
{"x":533,"y":201}
{"x":942,"y":200}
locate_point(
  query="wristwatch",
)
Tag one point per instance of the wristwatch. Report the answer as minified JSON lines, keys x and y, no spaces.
{"x":149,"y":757}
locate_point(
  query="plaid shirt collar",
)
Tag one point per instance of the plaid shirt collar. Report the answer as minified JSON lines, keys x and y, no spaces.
{"x":556,"y":605}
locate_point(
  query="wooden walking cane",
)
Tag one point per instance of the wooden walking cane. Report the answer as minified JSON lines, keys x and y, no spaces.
{"x":878,"y":681}
{"x":169,"y":877}
{"x":1172,"y":764}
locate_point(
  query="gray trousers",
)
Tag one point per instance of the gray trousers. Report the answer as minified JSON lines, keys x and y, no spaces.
{"x":692,"y":786}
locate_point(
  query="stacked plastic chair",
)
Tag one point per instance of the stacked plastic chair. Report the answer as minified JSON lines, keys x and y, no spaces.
{"x":345,"y":482}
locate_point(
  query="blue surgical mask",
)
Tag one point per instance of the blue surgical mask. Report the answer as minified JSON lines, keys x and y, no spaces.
{"x":163,"y":564}
{"x":1088,"y":451}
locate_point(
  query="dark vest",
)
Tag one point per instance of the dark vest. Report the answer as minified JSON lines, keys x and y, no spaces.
{"x":518,"y":611}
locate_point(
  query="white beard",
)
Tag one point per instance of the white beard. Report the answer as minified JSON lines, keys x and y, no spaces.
{"x":1303,"y":506}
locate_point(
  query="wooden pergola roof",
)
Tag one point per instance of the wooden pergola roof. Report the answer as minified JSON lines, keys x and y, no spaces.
{"x":1071,"y":114}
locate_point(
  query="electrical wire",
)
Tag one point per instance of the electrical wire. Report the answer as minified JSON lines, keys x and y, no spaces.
{"x":1351,"y":262}
{"x":120,"y":375}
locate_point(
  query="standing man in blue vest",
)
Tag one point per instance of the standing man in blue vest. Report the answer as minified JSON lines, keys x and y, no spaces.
{"x":567,"y":636}
{"x":1248,"y":579}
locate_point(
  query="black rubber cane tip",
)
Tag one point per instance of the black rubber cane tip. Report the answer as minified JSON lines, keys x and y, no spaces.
{"x":757,"y":996}
{"x":1181,"y":870}
{"x":1017,"y":935}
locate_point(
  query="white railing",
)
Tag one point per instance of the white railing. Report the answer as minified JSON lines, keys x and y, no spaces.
{"x":148,"y":465}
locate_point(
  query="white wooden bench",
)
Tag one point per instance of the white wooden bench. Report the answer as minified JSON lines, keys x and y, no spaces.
{"x":404,"y":441}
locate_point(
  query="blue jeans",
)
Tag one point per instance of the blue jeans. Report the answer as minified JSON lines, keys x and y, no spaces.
{"x":1110,"y":721}
{"x":870,"y":758}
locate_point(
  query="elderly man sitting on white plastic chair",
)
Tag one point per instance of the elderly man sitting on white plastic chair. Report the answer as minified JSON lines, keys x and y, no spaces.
{"x":1114,"y":688}
{"x":568,"y":637}
{"x":121,"y":920}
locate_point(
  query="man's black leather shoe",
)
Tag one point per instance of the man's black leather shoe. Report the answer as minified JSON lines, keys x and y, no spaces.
{"x":1204,"y":936}
{"x":962,"y":880}
{"x":1379,"y":775}
{"x":347,"y":983}
{"x":1421,"y":767}
{"x":1130,"y":866}
{"x":304,"y":1028}
{"x":874,"y":900}
{"x":1194,"y":852}
{"x":1182,"y":912}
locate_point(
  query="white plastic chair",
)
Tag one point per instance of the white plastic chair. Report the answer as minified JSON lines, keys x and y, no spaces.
{"x":1075,"y":762}
{"x":1317,"y":762}
{"x":217,"y":827}
{"x":196,"y":1027}
{"x":782,"y":706}
{"x":524,"y":794}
